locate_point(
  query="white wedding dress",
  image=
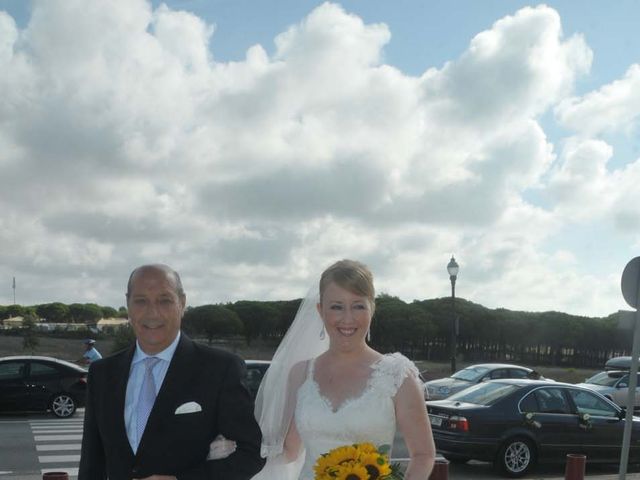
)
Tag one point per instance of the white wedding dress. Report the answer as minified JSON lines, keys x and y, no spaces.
{"x":369,"y":417}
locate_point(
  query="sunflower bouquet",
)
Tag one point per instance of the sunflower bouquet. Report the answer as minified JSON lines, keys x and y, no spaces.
{"x":360,"y":461}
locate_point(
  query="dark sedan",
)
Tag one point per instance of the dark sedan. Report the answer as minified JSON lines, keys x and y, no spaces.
{"x":515,"y":423}
{"x":30,"y":383}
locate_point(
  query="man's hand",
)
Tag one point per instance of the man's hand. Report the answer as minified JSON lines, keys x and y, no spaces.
{"x":221,"y":448}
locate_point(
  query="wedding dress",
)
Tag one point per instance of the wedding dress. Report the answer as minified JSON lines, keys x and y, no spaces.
{"x":369,"y":417}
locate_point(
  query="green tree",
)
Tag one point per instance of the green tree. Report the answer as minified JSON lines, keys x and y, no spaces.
{"x":85,"y":312}
{"x":212,"y":321}
{"x":55,"y":312}
{"x":30,"y":340}
{"x":109,"y":312}
{"x":259,"y":318}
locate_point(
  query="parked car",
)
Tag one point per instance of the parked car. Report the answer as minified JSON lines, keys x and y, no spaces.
{"x":254,"y":374}
{"x":444,"y":387}
{"x":32,"y":383}
{"x":516,"y":423}
{"x":613,"y":384}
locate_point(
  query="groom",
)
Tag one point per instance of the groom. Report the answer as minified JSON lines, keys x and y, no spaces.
{"x":153,"y":410}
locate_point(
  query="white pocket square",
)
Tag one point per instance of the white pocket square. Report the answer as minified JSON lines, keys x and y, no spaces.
{"x":189,"y":407}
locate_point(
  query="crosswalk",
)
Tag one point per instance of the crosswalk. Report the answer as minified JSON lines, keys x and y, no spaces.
{"x":58,"y":443}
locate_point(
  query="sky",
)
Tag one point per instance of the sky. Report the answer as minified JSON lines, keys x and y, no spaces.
{"x":250,"y":144}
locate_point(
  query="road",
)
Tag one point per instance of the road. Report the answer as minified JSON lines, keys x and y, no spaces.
{"x":34,"y":444}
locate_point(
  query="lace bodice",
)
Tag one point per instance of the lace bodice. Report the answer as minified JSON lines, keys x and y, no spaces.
{"x":369,"y":417}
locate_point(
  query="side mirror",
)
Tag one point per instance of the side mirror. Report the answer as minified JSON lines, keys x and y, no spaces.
{"x":485,"y":379}
{"x":622,"y":385}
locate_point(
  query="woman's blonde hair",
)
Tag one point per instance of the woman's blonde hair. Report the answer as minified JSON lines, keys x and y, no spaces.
{"x":351,"y":275}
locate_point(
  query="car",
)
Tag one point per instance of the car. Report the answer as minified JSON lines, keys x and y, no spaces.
{"x":254,"y":374}
{"x":444,"y":387}
{"x":613,"y":384}
{"x":38,"y":383}
{"x":516,"y":423}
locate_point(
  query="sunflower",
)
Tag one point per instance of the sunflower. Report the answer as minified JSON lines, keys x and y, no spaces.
{"x":326,"y":465}
{"x":377,"y":465}
{"x":352,"y":472}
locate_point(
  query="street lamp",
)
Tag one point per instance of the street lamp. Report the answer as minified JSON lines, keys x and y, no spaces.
{"x":453,"y":268}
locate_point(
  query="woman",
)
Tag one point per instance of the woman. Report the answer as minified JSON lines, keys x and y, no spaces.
{"x":326,"y":387}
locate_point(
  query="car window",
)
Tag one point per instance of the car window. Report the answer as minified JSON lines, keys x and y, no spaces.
{"x":499,"y":373}
{"x":11,"y":370}
{"x":39,"y":369}
{"x":529,"y":404}
{"x":484,"y":393}
{"x":518,"y":373}
{"x":604,"y":379}
{"x":552,"y":400}
{"x":587,"y":402}
{"x":470,"y":374}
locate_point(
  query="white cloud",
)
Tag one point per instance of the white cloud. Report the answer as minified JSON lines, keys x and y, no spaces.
{"x":127,"y":142}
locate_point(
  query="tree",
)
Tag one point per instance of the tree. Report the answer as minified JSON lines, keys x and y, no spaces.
{"x":259,"y":319}
{"x":85,"y":312}
{"x":109,"y":312}
{"x":55,"y":312}
{"x":29,"y":340}
{"x":212,"y":321}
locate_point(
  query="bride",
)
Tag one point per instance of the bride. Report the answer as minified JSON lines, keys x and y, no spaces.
{"x":326,"y":387}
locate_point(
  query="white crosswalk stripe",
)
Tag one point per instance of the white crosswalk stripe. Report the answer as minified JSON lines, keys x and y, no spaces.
{"x":58,"y":443}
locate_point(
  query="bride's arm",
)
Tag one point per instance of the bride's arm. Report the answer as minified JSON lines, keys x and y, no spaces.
{"x":292,"y":443}
{"x":413,"y":422}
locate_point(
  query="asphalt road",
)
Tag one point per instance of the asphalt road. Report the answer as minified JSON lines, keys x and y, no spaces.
{"x":33,"y":444}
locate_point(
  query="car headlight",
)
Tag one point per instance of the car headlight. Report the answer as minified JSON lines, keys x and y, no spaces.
{"x":443,"y":390}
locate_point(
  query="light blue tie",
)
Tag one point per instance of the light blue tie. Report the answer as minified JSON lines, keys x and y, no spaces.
{"x":147,"y":395}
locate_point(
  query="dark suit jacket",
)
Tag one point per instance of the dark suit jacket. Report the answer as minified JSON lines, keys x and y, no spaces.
{"x":172,"y":444}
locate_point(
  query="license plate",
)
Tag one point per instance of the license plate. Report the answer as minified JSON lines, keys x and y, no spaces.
{"x":435,"y":421}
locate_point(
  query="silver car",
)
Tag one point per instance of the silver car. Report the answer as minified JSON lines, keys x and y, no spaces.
{"x":443,"y":387}
{"x":613,"y":384}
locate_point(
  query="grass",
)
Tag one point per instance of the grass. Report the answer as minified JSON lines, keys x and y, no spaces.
{"x":72,"y":350}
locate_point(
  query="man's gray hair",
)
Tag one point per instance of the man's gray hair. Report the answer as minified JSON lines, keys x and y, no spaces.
{"x":162,"y":267}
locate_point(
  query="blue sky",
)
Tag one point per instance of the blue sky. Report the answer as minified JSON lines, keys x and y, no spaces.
{"x":251,"y":143}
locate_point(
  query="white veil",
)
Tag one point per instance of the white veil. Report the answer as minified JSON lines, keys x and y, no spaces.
{"x":276,"y":400}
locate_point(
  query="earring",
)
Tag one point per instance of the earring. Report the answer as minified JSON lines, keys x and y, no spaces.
{"x":369,"y":335}
{"x":322,"y":333}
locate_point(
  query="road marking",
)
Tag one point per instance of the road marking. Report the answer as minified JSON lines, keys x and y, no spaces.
{"x":53,"y":438}
{"x":58,"y":447}
{"x":58,"y":458}
{"x":67,"y":430}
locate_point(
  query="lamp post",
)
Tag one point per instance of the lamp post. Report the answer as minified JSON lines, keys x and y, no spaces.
{"x":453,"y":268}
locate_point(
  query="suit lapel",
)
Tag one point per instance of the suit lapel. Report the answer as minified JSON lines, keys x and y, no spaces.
{"x":179,"y":378}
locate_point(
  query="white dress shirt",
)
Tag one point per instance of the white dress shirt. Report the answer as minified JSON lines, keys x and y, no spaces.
{"x":136,"y":375}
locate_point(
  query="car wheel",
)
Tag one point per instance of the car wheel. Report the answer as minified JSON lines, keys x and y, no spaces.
{"x":516,"y":457}
{"x":63,"y":405}
{"x":457,"y":459}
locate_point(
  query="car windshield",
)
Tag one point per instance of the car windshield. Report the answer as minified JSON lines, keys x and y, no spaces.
{"x":484,"y":393}
{"x":470,"y":374}
{"x":604,"y":379}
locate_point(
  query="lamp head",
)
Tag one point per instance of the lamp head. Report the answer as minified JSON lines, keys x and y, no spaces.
{"x":453,"y":267}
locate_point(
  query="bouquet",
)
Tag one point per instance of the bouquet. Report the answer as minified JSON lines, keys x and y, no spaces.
{"x":360,"y":461}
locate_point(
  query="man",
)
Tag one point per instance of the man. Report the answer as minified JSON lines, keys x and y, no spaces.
{"x":91,"y":354}
{"x":129,"y":432}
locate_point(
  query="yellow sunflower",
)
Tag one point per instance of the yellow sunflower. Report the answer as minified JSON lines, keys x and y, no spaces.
{"x":326,"y":465}
{"x":367,"y":448}
{"x":377,"y":465}
{"x":352,"y":472}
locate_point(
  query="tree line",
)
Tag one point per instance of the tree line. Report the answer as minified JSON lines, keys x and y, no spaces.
{"x":420,"y":329}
